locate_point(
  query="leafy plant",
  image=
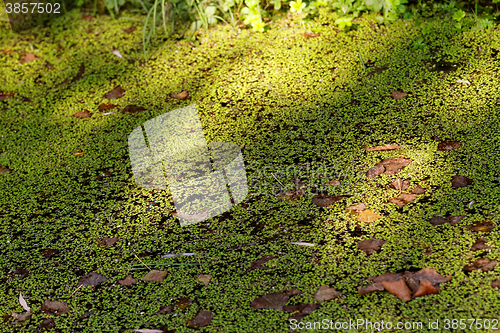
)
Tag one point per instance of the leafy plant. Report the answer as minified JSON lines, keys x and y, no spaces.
{"x":458,"y":16}
{"x":344,"y":22}
{"x":252,"y":15}
{"x":418,"y":44}
{"x":297,"y":6}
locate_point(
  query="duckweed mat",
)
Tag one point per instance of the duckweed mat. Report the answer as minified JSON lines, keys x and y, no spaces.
{"x":372,"y":162}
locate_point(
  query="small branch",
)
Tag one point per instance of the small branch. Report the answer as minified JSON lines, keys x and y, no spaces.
{"x":76,"y":290}
{"x":277,"y":180}
{"x":142,"y":262}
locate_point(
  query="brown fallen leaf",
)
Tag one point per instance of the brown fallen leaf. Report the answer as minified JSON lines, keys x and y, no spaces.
{"x":48,"y":253}
{"x":204,"y":278}
{"x":271,"y":301}
{"x":155,"y":276}
{"x":333,"y":183}
{"x":403,"y":199}
{"x":128,"y":281}
{"x":182,"y":95}
{"x":376,"y":284}
{"x":398,"y":288}
{"x":425,"y":288}
{"x":495,"y":283}
{"x":448,"y":145}
{"x":79,"y":75}
{"x":375,"y":171}
{"x":357,"y":208}
{"x":165,"y":310}
{"x":300,"y":310}
{"x":92,"y":279}
{"x":103,"y":106}
{"x":455,"y":219}
{"x":323,"y":200}
{"x":202,"y":319}
{"x":398,"y":94}
{"x":460,"y":181}
{"x":258,"y":263}
{"x":429,"y":274}
{"x":192,"y":217}
{"x":183,"y":303}
{"x":484,"y":264}
{"x":291,"y":195}
{"x":106,"y":241}
{"x":130,"y":30}
{"x":483,"y":226}
{"x":400,"y":185}
{"x":395,"y":165}
{"x":21,"y":317}
{"x":29,"y":57}
{"x":83,"y":114}
{"x":480,"y":244}
{"x":21,"y":272}
{"x":47,"y":323}
{"x":132,"y":109}
{"x":367,"y":216}
{"x":55,"y":307}
{"x":87,"y":18}
{"x":438,"y":220}
{"x":325,"y":293}
{"x":4,"y":170}
{"x":4,"y":95}
{"x":418,"y":190}
{"x":383,"y":148}
{"x":370,"y":246}
{"x":116,"y":92}
{"x":80,"y":153}
{"x":308,"y":34}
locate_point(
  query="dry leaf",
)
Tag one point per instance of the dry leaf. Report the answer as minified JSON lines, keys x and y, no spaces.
{"x":460,"y":181}
{"x":271,"y":301}
{"x":300,"y":310}
{"x":23,"y":303}
{"x":302,"y":243}
{"x":258,"y":263}
{"x":4,"y":95}
{"x":398,"y":94}
{"x":418,"y":190}
{"x":425,"y":288}
{"x":103,"y":106}
{"x":484,"y":264}
{"x":106,"y":241}
{"x":155,"y":276}
{"x":403,"y":199}
{"x":202,"y":319}
{"x":117,"y":53}
{"x":79,"y":75}
{"x":87,"y":18}
{"x":4,"y":170}
{"x":55,"y":307}
{"x":376,"y":284}
{"x":80,"y":153}
{"x":130,"y":30}
{"x":132,"y":109}
{"x":333,"y":183}
{"x":483,"y":226}
{"x":357,"y":208}
{"x":400,"y":185}
{"x":375,"y":171}
{"x":165,"y":310}
{"x":29,"y":57}
{"x":448,"y":145}
{"x":480,"y":244}
{"x":83,"y":114}
{"x":129,"y":280}
{"x":398,"y":288}
{"x":370,"y":246}
{"x":495,"y":283}
{"x":395,"y":165}
{"x":21,"y":272}
{"x":308,"y":34}
{"x":116,"y":92}
{"x":92,"y":279}
{"x":367,"y":216}
{"x":455,"y":219}
{"x":438,"y":220}
{"x":183,"y":303}
{"x":292,"y":195}
{"x":383,"y":148}
{"x":323,"y":200}
{"x":182,"y":95}
{"x":47,"y":323}
{"x":204,"y":278}
{"x":325,"y":293}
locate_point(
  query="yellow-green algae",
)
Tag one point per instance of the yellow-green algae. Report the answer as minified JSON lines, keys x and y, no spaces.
{"x":288,"y":101}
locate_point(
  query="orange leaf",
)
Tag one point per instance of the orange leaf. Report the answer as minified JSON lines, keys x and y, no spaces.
{"x":81,"y":153}
{"x":367,"y":216}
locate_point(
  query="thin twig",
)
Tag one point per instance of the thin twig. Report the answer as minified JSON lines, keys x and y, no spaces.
{"x":141,"y":261}
{"x":199,"y":262}
{"x":76,"y":289}
{"x":277,"y":180}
